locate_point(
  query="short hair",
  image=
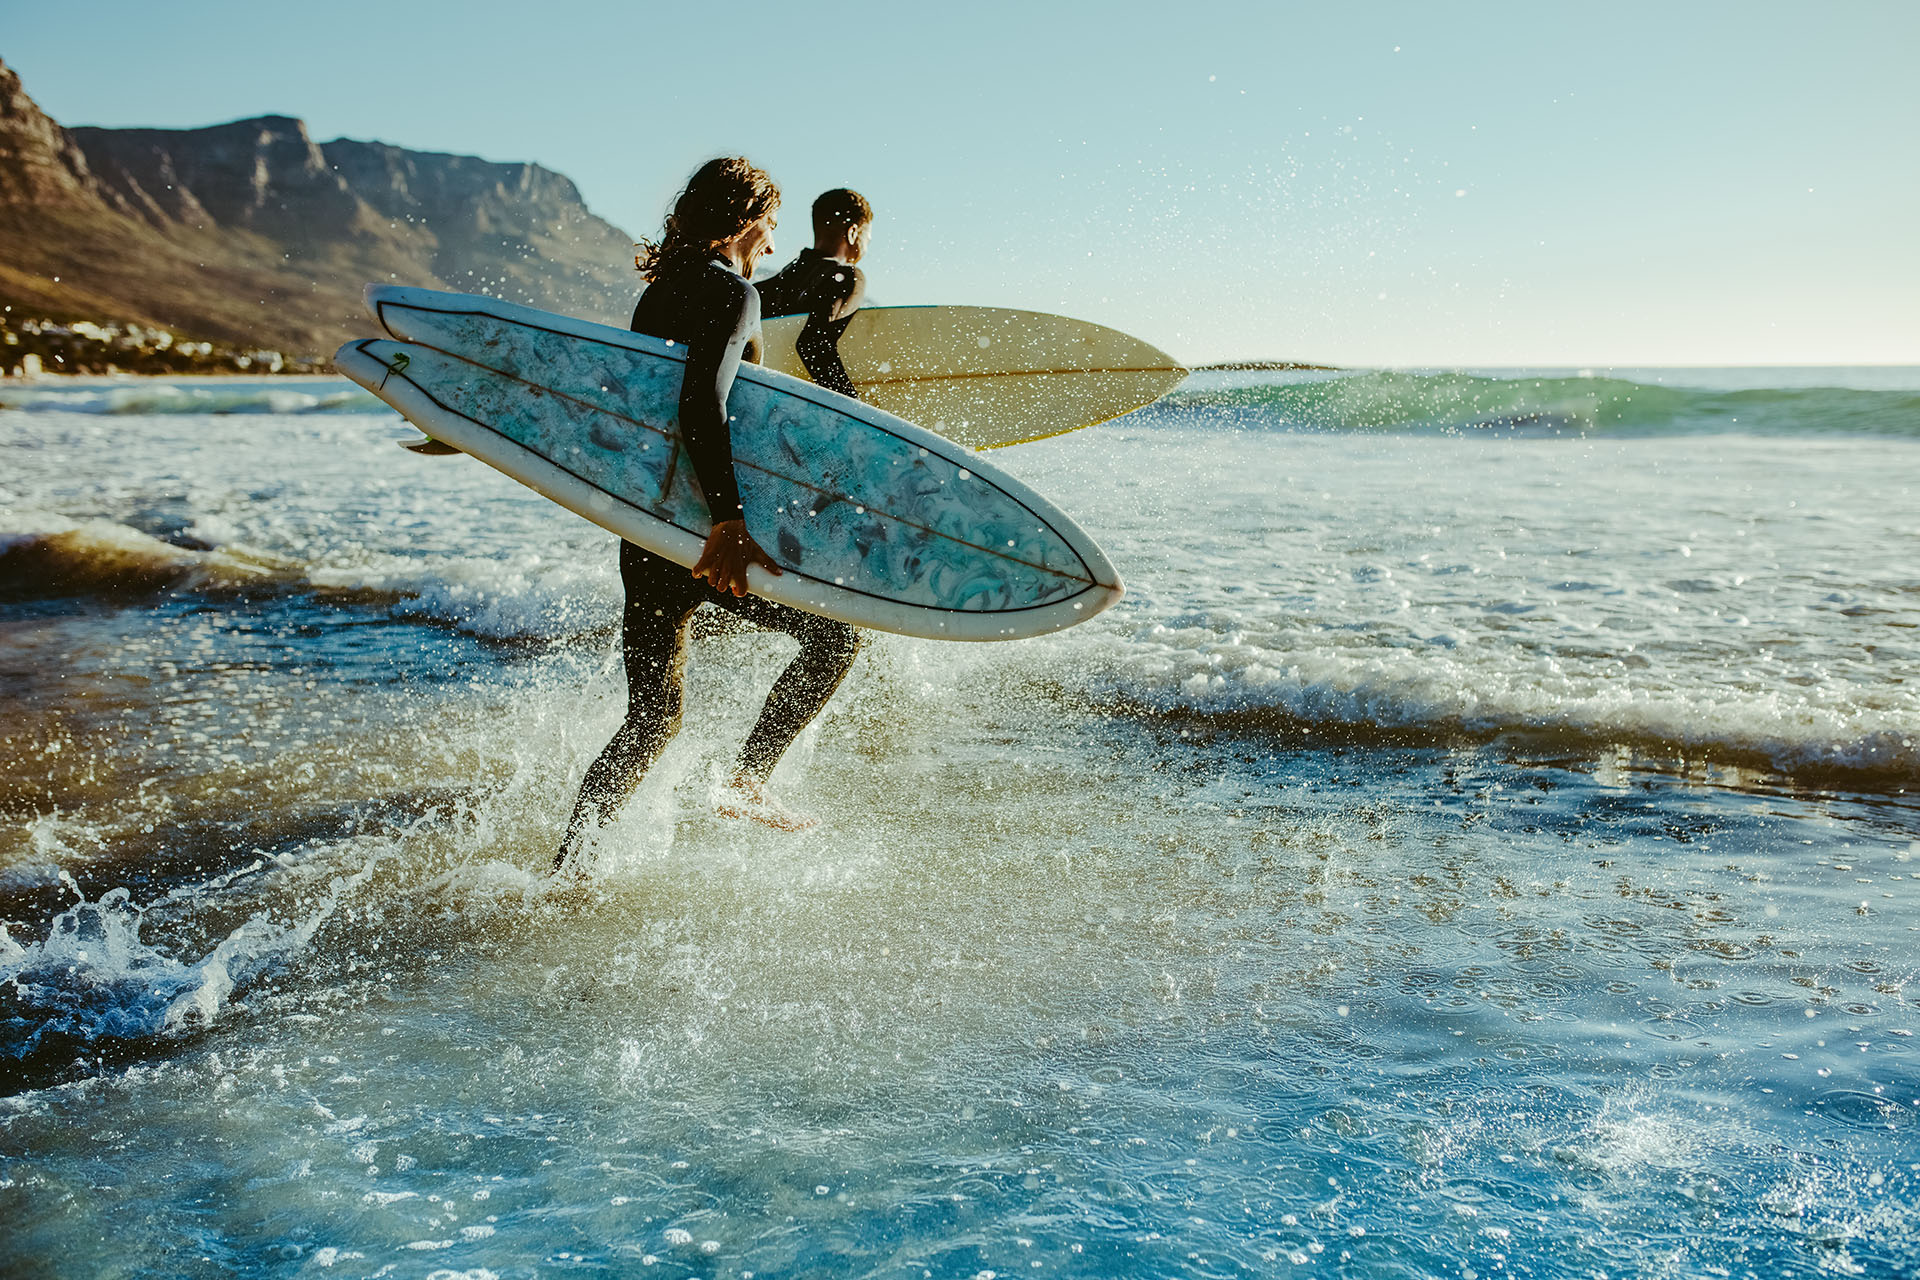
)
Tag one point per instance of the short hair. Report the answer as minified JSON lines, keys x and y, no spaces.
{"x":840,"y":209}
{"x":724,"y":197}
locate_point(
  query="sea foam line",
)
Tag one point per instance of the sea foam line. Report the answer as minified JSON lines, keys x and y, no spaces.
{"x":1162,"y":671}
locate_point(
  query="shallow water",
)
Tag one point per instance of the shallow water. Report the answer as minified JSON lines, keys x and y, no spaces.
{"x":1462,"y":854}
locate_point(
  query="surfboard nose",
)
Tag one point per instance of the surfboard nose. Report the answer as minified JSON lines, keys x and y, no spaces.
{"x":1105,"y":577}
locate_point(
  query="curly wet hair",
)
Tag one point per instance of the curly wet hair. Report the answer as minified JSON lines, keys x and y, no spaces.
{"x":724,"y":197}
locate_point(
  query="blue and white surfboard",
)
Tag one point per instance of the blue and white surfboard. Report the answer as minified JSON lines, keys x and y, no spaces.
{"x":875,"y":521}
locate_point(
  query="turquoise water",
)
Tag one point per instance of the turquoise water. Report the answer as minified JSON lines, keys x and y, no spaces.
{"x":1584,"y":402}
{"x":1466,"y":852}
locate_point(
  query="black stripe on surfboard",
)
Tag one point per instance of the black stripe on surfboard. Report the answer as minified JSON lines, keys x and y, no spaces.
{"x":936,"y":378}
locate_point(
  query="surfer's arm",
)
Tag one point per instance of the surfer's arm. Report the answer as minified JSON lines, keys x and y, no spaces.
{"x":713,"y":360}
{"x":819,"y":351}
{"x":819,"y":343}
{"x":712,"y":363}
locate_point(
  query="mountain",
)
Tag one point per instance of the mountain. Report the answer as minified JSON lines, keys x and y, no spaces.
{"x":252,"y":234}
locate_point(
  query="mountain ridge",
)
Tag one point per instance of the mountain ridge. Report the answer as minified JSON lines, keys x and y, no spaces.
{"x":252,"y":233}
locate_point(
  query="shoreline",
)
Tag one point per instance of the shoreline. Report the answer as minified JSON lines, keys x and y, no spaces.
{"x":35,"y":347}
{"x":124,"y":377}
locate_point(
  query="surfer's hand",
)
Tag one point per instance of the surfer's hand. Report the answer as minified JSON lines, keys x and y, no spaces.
{"x":729,"y":552}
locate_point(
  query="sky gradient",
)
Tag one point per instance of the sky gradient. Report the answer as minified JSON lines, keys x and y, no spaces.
{"x":1404,"y":185}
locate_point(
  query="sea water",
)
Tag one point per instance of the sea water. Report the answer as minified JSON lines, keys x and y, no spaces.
{"x":1482,"y":843}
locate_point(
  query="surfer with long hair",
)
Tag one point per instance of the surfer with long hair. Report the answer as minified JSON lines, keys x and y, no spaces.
{"x":698,"y":295}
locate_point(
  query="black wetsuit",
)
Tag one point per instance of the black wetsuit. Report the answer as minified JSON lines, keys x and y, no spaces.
{"x":827,"y":292}
{"x":707,"y":306}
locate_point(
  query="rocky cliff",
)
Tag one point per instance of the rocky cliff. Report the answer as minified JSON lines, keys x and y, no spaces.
{"x":251,"y":233}
{"x":40,"y":165}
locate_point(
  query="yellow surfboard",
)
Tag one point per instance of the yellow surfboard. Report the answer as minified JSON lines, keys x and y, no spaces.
{"x":987,"y":376}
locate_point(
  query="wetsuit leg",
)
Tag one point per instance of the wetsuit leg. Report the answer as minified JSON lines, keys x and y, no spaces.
{"x":661,"y":596}
{"x":827,"y":651}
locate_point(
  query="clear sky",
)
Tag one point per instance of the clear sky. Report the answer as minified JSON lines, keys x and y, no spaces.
{"x":1403,"y":184}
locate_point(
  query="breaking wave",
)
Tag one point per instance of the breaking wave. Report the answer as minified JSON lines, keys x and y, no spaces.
{"x":533,"y":599}
{"x":147,"y":397}
{"x":1462,"y":403}
{"x":1182,"y":670}
{"x":1262,"y":676}
{"x":1375,"y":400}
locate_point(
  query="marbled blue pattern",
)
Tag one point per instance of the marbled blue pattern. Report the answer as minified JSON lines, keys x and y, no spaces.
{"x":829,"y":491}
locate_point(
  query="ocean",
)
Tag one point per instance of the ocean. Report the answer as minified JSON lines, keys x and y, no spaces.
{"x":1482,"y":843}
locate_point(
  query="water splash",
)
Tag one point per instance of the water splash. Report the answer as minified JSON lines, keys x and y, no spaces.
{"x":95,"y":983}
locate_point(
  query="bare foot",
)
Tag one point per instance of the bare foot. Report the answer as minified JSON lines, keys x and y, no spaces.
{"x":745,"y":798}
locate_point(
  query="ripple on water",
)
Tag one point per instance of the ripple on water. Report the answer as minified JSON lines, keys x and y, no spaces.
{"x":1723,"y":948}
{"x":1859,"y":1110}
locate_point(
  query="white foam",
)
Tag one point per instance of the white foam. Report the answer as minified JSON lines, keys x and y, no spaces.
{"x":1487,"y":586}
{"x":1478,"y":585}
{"x":1291,"y":672}
{"x":526,"y":595}
{"x":94,"y":977}
{"x":152,"y":397}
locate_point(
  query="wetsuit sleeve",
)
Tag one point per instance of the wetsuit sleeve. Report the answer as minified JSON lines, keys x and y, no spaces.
{"x":713,"y":358}
{"x":841,"y":293}
{"x":780,"y":293}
